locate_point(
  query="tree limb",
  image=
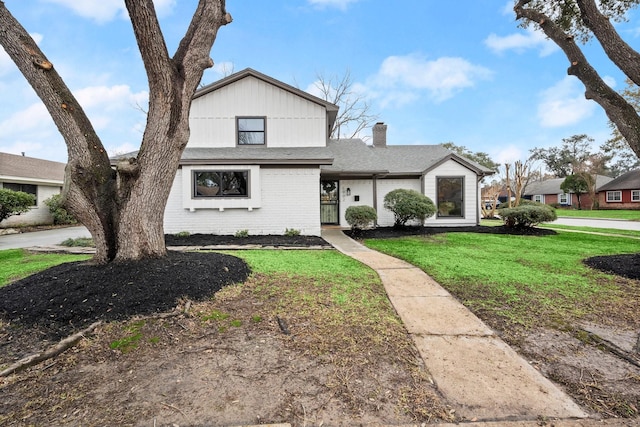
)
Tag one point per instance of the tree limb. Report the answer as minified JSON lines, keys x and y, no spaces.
{"x":53,"y":351}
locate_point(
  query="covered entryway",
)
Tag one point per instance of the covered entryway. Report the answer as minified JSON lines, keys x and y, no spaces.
{"x":329,"y":202}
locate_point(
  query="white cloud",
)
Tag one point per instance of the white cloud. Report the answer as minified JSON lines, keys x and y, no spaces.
{"x":31,"y":119}
{"x":530,"y":39}
{"x":106,"y":10}
{"x":507,"y":154}
{"x":339,"y":4}
{"x":564,"y":104}
{"x":401,"y":76}
{"x":105,"y":104}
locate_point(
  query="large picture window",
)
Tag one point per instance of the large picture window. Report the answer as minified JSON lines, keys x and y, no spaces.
{"x":224,"y":183}
{"x":251,"y":131}
{"x":450,"y":195}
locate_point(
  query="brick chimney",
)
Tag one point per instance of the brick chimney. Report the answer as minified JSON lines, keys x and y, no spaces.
{"x":379,"y":135}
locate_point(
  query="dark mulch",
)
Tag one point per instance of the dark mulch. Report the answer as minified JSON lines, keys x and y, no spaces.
{"x":266,"y":240}
{"x":390,"y":232}
{"x":626,"y":265}
{"x":71,"y":296}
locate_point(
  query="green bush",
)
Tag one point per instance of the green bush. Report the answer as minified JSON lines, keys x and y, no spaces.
{"x":408,"y":205}
{"x":242,"y":233}
{"x":528,"y":215}
{"x":291,"y":232}
{"x":359,"y":217}
{"x":60,"y":214}
{"x":14,"y":202}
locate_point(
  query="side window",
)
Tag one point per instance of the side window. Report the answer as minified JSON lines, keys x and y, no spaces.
{"x":227,"y":183}
{"x":450,"y":195}
{"x":251,"y":130}
{"x":635,"y":195}
{"x":614,"y":196}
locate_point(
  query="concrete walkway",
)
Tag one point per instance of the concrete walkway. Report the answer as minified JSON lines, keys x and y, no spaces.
{"x":479,"y":375}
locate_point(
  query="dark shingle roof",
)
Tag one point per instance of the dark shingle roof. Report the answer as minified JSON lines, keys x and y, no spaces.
{"x":627,"y":181}
{"x":12,"y":165}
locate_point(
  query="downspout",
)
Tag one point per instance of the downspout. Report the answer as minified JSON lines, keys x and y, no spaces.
{"x":375,"y":196}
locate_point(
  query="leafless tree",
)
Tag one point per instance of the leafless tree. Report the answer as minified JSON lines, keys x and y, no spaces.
{"x":123,"y":208}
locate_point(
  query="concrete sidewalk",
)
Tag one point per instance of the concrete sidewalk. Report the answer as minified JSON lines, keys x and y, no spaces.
{"x":479,"y":375}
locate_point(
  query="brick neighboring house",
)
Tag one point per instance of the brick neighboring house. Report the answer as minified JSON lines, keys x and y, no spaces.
{"x":550,"y":193}
{"x":42,"y":178}
{"x":622,"y":192}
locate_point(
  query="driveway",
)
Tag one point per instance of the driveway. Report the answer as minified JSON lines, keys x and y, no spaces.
{"x":599,"y":223}
{"x":42,"y":238}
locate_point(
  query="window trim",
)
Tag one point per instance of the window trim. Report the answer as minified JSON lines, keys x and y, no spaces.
{"x":462,"y":201}
{"x":540,"y":198}
{"x":194,"y":194}
{"x":610,"y":199}
{"x":635,"y":197}
{"x":264,"y":131}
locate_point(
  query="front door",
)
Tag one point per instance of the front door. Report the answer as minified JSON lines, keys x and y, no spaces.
{"x":329,"y":208}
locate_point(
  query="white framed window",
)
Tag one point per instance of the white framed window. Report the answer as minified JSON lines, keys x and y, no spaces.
{"x":614,"y":196}
{"x":564,"y":199}
{"x":635,"y":195}
{"x":221,"y":183}
{"x":538,"y":198}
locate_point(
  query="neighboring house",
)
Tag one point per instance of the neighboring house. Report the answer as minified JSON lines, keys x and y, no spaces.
{"x":42,"y":178}
{"x":550,"y":193}
{"x":259,"y":159}
{"x":622,"y":192}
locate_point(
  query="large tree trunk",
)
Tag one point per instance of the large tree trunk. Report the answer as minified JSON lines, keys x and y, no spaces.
{"x":124,"y":208}
{"x":618,"y":110}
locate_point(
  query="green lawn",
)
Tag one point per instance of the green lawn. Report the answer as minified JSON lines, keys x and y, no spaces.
{"x":524,"y":280}
{"x":18,"y":263}
{"x":631,"y":215}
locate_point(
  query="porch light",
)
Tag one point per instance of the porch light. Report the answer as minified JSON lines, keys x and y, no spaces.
{"x":348,"y":191}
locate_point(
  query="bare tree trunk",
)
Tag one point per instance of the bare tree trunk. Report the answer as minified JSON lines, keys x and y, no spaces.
{"x":124,"y":208}
{"x":508,"y":183}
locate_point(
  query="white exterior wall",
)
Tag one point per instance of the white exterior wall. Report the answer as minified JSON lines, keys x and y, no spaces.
{"x":292,"y":121}
{"x":452,"y":168}
{"x":385,"y":217}
{"x":362,"y":188}
{"x":39,"y":214}
{"x":288,"y":198}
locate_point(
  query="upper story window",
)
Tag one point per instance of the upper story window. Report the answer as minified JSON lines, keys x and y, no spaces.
{"x":614,"y":196}
{"x":251,"y":130}
{"x":223,"y":183}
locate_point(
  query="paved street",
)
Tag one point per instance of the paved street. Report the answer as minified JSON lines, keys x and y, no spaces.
{"x":42,"y":238}
{"x":599,"y":223}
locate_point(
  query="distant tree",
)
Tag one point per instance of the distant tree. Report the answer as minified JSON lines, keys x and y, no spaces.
{"x":479,"y":157}
{"x":408,"y":205}
{"x":576,"y":184}
{"x":570,"y":22}
{"x":355,"y":111}
{"x":124,"y":208}
{"x":14,"y":203}
{"x":567,"y":159}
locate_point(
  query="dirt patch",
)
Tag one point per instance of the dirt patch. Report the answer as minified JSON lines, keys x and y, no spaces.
{"x":240,"y":355}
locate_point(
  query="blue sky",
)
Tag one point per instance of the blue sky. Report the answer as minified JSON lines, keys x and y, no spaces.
{"x":434,"y":71}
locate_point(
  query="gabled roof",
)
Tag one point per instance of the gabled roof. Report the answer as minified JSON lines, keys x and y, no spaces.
{"x":552,"y":186}
{"x":332,"y":109}
{"x":25,"y":168}
{"x":626,"y":181}
{"x":354,"y":157}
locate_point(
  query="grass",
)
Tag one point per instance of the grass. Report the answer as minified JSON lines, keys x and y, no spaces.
{"x":630,"y":215}
{"x":16,"y":264}
{"x":524,"y":280}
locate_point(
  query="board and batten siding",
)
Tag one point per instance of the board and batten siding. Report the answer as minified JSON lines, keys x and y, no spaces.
{"x":452,"y":168}
{"x":286,"y":202}
{"x":292,"y":121}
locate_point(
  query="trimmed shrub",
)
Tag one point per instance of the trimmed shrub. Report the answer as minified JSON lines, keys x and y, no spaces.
{"x":528,"y":215}
{"x":291,"y":232}
{"x":60,"y":214}
{"x":408,"y":205}
{"x":359,"y":217}
{"x":14,"y":202}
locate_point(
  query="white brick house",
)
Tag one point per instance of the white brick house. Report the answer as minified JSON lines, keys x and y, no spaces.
{"x":259,"y":159}
{"x":42,"y":178}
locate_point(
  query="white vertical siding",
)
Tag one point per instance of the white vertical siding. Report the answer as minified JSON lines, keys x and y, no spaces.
{"x":292,"y":121}
{"x":385,"y":217}
{"x":471,"y":201}
{"x":289,"y":199}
